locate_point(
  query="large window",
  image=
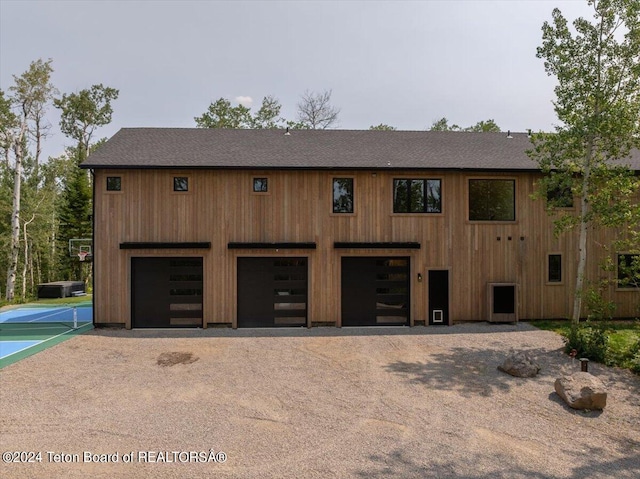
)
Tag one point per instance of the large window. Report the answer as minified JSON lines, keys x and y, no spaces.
{"x":343,"y":195}
{"x":492,"y":200}
{"x":416,"y":196}
{"x":628,"y":270}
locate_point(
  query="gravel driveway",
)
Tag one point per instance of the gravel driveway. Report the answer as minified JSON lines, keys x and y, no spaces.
{"x":320,"y":403}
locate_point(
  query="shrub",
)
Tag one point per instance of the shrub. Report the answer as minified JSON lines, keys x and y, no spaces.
{"x":589,"y":340}
{"x":634,"y":362}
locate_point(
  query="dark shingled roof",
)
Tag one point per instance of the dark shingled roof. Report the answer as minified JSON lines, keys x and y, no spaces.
{"x":314,"y":149}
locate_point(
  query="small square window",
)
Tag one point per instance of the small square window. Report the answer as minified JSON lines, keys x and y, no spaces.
{"x":180,"y":183}
{"x":554,"y":272}
{"x":343,"y":195}
{"x":260,"y":185}
{"x":114,"y":183}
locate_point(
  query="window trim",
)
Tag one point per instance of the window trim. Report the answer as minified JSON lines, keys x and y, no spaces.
{"x":516,"y":186}
{"x":261,"y":177}
{"x":341,"y":177}
{"x":547,"y":281}
{"x":424,"y":214}
{"x":106,"y":186}
{"x":617,"y":272}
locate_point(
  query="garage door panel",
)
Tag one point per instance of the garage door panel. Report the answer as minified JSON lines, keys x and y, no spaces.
{"x":166,"y":292}
{"x":375,"y":291}
{"x":272,"y":292}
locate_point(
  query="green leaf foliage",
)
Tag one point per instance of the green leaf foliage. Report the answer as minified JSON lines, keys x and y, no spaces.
{"x":83,"y":112}
{"x":221,"y":114}
{"x":597,"y":67}
{"x":383,"y":127}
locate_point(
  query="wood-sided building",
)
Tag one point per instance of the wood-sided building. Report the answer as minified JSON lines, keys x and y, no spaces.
{"x":255,"y":228}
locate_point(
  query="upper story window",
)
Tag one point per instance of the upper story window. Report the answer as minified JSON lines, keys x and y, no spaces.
{"x":343,"y":195}
{"x":628,"y":270}
{"x":560,"y":197}
{"x":180,"y":183}
{"x":114,"y":183}
{"x":492,"y":200}
{"x":260,"y":185}
{"x":416,"y":195}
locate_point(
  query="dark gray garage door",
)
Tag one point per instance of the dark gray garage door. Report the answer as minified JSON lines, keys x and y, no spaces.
{"x":375,"y":291}
{"x":166,"y":292}
{"x":272,"y":292}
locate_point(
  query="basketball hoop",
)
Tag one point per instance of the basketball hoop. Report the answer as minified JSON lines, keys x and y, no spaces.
{"x":82,"y":255}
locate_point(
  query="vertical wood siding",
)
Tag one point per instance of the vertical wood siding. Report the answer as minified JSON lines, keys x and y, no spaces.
{"x":221,"y":207}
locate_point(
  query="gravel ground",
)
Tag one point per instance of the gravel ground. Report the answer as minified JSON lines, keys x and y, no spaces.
{"x":320,"y":403}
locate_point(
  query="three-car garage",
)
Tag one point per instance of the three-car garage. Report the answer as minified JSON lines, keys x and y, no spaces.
{"x":272,"y":291}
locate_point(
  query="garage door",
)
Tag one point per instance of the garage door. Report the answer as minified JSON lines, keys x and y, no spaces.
{"x":166,"y":292}
{"x":375,"y":291}
{"x":272,"y":292}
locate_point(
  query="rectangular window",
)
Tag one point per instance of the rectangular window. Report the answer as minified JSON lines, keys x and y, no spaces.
{"x":180,"y":183}
{"x":628,"y":270}
{"x":560,"y":197}
{"x":114,"y":183}
{"x":260,"y":185}
{"x":492,"y":200}
{"x":343,"y":195}
{"x":416,"y":196}
{"x":554,"y":270}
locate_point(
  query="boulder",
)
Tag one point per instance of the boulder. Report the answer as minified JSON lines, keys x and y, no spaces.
{"x":519,"y":364}
{"x":582,"y":391}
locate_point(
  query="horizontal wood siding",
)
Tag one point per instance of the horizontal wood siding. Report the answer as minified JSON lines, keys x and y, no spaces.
{"x":220,"y":207}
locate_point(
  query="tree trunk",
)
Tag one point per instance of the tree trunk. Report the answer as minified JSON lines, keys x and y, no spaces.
{"x":25,"y":262}
{"x":26,"y":256}
{"x":15,"y":221}
{"x":52,"y":251}
{"x":582,"y":240}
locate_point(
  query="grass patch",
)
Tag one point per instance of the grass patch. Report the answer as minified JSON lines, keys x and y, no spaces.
{"x":86,"y":300}
{"x":622,"y":348}
{"x":72,"y":301}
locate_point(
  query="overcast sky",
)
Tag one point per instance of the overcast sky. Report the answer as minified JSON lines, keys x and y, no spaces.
{"x":405,"y":64}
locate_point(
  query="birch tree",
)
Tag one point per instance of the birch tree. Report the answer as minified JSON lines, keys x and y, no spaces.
{"x":83,"y":112}
{"x":597,"y":67}
{"x":32,"y":91}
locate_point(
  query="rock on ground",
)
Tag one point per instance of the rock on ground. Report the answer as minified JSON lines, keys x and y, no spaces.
{"x":582,"y":390}
{"x":519,"y":364}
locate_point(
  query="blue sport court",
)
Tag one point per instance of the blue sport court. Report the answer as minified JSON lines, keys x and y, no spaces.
{"x":29,"y":329}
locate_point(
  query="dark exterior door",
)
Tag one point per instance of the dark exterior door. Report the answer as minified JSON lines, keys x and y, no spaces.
{"x":439,"y":297}
{"x":272,"y":292}
{"x":166,"y":292}
{"x":375,"y":291}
